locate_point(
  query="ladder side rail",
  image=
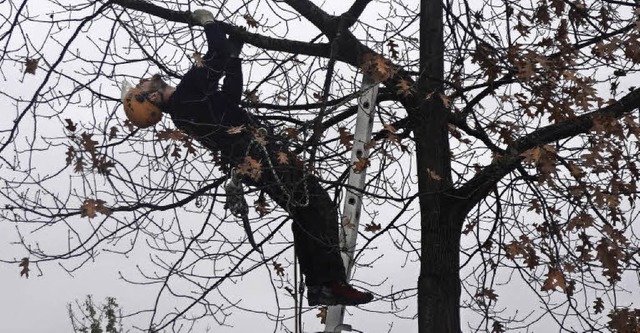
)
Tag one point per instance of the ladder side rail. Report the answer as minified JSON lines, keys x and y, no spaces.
{"x":353,"y":197}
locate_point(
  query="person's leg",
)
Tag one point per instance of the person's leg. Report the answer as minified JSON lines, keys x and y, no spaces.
{"x":232,"y":83}
{"x":315,"y":231}
{"x":217,"y":44}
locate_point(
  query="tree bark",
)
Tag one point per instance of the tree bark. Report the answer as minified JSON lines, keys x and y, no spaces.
{"x":439,"y":281}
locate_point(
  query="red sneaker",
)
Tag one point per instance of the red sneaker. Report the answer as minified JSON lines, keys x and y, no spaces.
{"x":337,"y":292}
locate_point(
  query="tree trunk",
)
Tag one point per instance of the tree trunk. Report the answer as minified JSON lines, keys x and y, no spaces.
{"x":439,"y":281}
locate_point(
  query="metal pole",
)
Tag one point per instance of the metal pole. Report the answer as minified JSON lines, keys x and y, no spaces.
{"x":353,"y":198}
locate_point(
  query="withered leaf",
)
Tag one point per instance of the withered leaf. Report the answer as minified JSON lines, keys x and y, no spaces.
{"x":372,"y":227}
{"x":582,"y":220}
{"x":488,"y":293}
{"x":598,"y":305}
{"x":71,"y":126}
{"x":322,"y":315}
{"x":346,"y":138}
{"x":88,"y":143}
{"x":261,"y":206}
{"x":497,"y":327}
{"x":250,"y":21}
{"x":446,"y":100}
{"x":278,"y":268}
{"x":404,"y":88}
{"x":24,"y":263}
{"x":377,"y":67}
{"x":92,"y":206}
{"x":361,"y":165}
{"x":283,"y":158}
{"x":113,"y":133}
{"x":176,"y":152}
{"x":433,"y":174}
{"x":70,"y":154}
{"x":235,"y":129}
{"x":31,"y":65}
{"x":250,"y":167}
{"x":252,"y":96}
{"x":292,"y":133}
{"x":197,"y":59}
{"x":170,"y":134}
{"x":393,"y":49}
{"x":102,"y":165}
{"x":260,"y":138}
{"x":554,"y":279}
{"x":80,"y":164}
{"x":372,"y":143}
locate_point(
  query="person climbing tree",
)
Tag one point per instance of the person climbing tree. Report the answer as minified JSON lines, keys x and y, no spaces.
{"x":213,"y":116}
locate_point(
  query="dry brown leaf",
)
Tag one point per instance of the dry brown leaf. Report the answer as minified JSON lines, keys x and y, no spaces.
{"x":252,"y":96}
{"x":88,"y":143}
{"x":250,"y":21}
{"x":31,"y":65}
{"x":372,"y":143}
{"x":361,"y":165}
{"x":251,"y":168}
{"x":582,"y":221}
{"x":235,"y":129}
{"x":92,"y":206}
{"x":113,"y":133}
{"x":292,"y":133}
{"x":346,"y":138}
{"x":404,"y":88}
{"x":393,"y":49}
{"x":372,"y":227}
{"x":71,"y":126}
{"x":283,"y":158}
{"x":278,"y":268}
{"x":170,"y":134}
{"x":70,"y":154}
{"x":433,"y":174}
{"x":446,"y":100}
{"x":260,"y":138}
{"x":377,"y":67}
{"x":24,"y":263}
{"x":322,"y":315}
{"x":197,"y":59}
{"x":80,"y":164}
{"x":554,"y":279}
{"x":532,"y":155}
{"x":598,"y":305}
{"x":261,"y":206}
{"x":497,"y":327}
{"x":488,"y":293}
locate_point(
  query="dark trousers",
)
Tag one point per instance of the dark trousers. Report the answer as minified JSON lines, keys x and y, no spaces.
{"x":315,"y":218}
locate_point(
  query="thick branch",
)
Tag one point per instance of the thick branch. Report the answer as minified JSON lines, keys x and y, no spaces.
{"x":264,"y":42}
{"x":314,"y":14}
{"x":351,"y":16}
{"x":480,"y":185}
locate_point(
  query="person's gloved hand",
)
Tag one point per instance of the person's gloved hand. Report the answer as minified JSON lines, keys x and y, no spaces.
{"x":235,"y":46}
{"x":202,"y":16}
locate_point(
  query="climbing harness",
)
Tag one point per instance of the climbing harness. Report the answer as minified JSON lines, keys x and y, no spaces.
{"x":237,"y":204}
{"x":288,"y":193}
{"x":238,"y":207}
